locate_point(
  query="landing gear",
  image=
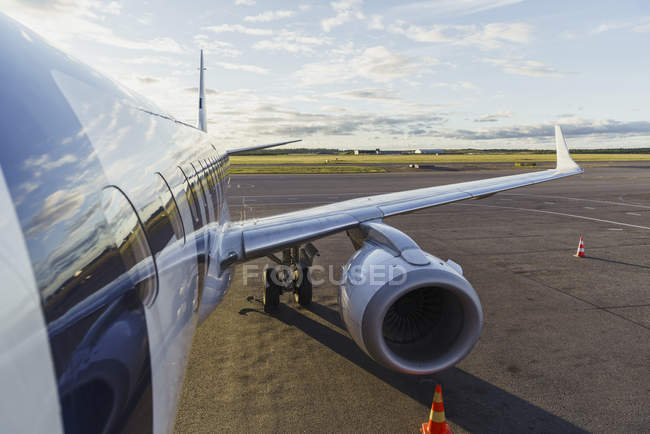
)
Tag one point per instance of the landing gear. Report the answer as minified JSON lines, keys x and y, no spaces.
{"x":272,"y":290}
{"x":291,"y":274}
{"x":302,"y":292}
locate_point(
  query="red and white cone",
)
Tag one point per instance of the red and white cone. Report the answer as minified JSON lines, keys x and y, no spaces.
{"x":581,"y":249}
{"x":437,"y":424}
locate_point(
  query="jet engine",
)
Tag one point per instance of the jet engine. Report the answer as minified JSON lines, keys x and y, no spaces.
{"x":408,"y":310}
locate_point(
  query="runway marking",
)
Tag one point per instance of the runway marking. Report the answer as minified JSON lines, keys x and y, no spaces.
{"x":609,"y":202}
{"x":329,"y":194}
{"x":559,"y":213}
{"x":589,"y":207}
{"x":284,"y":203}
{"x":584,"y":300}
{"x":633,"y":213}
{"x":614,"y":229}
{"x":624,"y":306}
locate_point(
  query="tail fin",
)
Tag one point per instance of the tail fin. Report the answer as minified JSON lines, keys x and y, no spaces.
{"x":203,"y":126}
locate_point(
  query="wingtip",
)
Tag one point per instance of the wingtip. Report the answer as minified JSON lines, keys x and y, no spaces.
{"x":564,"y":160}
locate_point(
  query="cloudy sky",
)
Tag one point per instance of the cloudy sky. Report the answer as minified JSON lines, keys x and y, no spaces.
{"x":389,"y":74}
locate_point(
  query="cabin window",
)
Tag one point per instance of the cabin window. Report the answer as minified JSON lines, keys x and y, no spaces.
{"x":192,"y":200}
{"x":132,"y":243}
{"x":168,"y":219}
{"x":200,"y":181}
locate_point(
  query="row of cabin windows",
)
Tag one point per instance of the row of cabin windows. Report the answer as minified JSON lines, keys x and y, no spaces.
{"x":183,"y":207}
{"x":204,"y":190}
{"x":194,"y":201}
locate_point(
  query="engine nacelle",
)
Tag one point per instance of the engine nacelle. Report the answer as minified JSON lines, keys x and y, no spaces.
{"x":408,"y":310}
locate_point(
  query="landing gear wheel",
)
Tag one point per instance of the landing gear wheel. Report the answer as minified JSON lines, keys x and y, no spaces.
{"x":272,"y":290}
{"x":302,"y":295}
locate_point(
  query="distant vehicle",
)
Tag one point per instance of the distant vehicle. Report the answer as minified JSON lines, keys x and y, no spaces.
{"x":117,"y":242}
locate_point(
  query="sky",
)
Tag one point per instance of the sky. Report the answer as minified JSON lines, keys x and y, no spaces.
{"x":388,"y":74}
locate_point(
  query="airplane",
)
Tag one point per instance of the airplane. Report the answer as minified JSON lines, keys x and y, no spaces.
{"x":116,"y":242}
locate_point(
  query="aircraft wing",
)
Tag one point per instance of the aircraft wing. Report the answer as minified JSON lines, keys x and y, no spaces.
{"x":255,"y":238}
{"x":235,"y":151}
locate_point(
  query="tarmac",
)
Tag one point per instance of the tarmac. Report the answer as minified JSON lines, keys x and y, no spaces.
{"x":565,"y":345}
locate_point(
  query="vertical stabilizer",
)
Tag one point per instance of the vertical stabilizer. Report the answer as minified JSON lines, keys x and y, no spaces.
{"x":203,"y":126}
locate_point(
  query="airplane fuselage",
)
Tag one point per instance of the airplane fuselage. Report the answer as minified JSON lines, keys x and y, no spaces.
{"x":118,"y":208}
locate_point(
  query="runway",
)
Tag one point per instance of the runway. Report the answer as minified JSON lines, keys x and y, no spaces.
{"x":564,"y":348}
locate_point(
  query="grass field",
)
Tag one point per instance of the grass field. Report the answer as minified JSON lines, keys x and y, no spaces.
{"x":304,"y":169}
{"x":418,"y":158}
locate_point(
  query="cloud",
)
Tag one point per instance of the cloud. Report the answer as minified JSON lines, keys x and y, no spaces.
{"x":153,"y":60}
{"x":420,"y":34}
{"x":244,"y":2}
{"x":164,"y":44}
{"x":24,"y":190}
{"x":376,"y":94}
{"x":376,"y":22}
{"x":58,"y":206}
{"x":147,"y":80}
{"x":291,"y":42}
{"x":254,"y":116}
{"x":213,"y":46}
{"x":44,"y":163}
{"x":643,"y":27}
{"x":75,"y":251}
{"x":67,"y":20}
{"x":494,"y":117}
{"x":576,"y":127}
{"x":264,"y":117}
{"x":380,"y":64}
{"x":267,"y":16}
{"x":346,"y":10}
{"x":342,"y":123}
{"x":640,"y":25}
{"x":195,"y":90}
{"x":279,"y":45}
{"x":456,"y":86}
{"x":146,"y":19}
{"x":528,"y":68}
{"x":242,"y":67}
{"x":491,"y":35}
{"x":238,"y":28}
{"x":606,"y":27}
{"x":452,"y":7}
{"x":376,"y":63}
{"x":275,"y":120}
{"x":87,"y":8}
{"x":113,"y":8}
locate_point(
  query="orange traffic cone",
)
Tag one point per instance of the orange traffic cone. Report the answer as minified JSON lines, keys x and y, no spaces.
{"x":581,"y":249}
{"x":437,"y":423}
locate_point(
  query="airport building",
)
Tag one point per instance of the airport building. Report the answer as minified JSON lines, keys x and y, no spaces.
{"x":378,"y":151}
{"x":429,"y":151}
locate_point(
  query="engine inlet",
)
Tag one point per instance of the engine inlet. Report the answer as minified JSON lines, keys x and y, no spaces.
{"x":423,"y":323}
{"x":412,"y":317}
